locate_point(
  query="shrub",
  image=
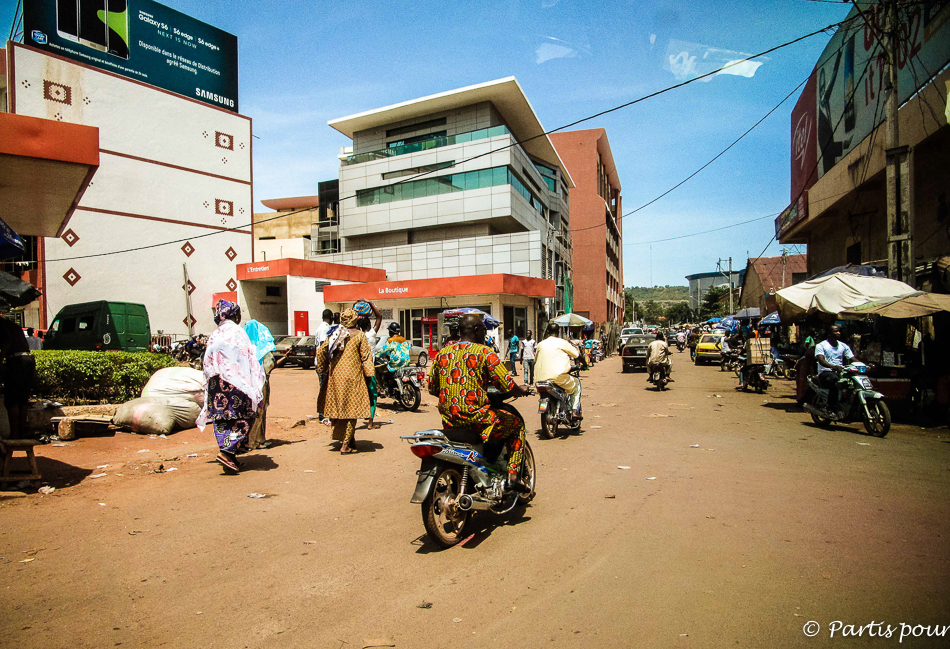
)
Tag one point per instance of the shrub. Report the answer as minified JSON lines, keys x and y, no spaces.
{"x":84,"y":377}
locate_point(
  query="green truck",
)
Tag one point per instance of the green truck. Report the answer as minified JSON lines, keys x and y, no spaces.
{"x":100,"y":326}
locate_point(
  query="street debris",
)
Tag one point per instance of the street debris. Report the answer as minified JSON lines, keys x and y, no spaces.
{"x":163,"y":436}
{"x":610,"y":496}
{"x":98,"y":475}
{"x":694,"y":445}
{"x":257,"y":495}
{"x":457,"y":620}
{"x":144,"y":450}
{"x":309,"y":542}
{"x":424,"y":604}
{"x":28,"y":560}
{"x":657,"y":414}
{"x":378,"y":642}
{"x":653,"y":478}
{"x":710,"y":396}
{"x":46,"y":490}
{"x":171,"y":469}
{"x":864,"y":444}
{"x":298,"y":423}
{"x":160,"y":469}
{"x":134,"y":532}
{"x":103,"y":466}
{"x":596,"y":426}
{"x":623,"y":467}
{"x":309,"y":471}
{"x":102,"y":504}
{"x":192,"y":455}
{"x":59,"y":445}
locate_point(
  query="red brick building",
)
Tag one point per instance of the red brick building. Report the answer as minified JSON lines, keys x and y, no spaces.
{"x":596,"y":229}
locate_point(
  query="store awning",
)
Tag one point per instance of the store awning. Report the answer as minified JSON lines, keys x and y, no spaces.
{"x":443,"y":287}
{"x":915,"y":305}
{"x":835,"y":293}
{"x":45,"y":166}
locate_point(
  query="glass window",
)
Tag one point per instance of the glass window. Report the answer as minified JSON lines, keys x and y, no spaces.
{"x":69,"y":325}
{"x":499,"y":176}
{"x":484,"y":177}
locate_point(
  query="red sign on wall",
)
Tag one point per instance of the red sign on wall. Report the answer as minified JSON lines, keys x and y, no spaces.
{"x":804,"y":140}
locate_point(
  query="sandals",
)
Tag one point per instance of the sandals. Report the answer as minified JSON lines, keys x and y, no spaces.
{"x":349,"y":451}
{"x":228,"y":464}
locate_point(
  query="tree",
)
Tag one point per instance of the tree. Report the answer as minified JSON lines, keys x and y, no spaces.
{"x":678,"y":312}
{"x":628,"y":304}
{"x":716,"y":301}
{"x":650,"y":311}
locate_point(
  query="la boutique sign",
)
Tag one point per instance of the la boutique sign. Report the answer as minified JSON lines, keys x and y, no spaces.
{"x":395,"y":290}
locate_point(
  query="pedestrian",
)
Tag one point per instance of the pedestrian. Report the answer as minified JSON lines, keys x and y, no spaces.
{"x":372,"y":387}
{"x":321,"y":332}
{"x":346,"y":359}
{"x":234,"y":382}
{"x":260,"y":336}
{"x":19,"y":374}
{"x":529,"y":347}
{"x":32,"y":340}
{"x":513,"y":348}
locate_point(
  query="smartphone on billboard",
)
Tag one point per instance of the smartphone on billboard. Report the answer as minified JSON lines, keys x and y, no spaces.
{"x":92,"y":26}
{"x":849,"y":117}
{"x":117,"y":28}
{"x":67,"y":19}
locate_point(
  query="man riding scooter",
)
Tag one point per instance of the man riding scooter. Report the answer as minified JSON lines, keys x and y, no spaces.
{"x":553,"y":361}
{"x":658,"y":358}
{"x":832,"y":354}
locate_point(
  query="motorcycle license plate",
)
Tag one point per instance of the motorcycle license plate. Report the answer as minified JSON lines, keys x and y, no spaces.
{"x":641,"y":352}
{"x":865,"y":382}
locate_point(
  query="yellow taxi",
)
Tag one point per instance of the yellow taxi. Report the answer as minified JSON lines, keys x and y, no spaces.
{"x":707,"y":350}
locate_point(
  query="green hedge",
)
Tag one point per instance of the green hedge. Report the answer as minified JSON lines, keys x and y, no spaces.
{"x":92,"y":377}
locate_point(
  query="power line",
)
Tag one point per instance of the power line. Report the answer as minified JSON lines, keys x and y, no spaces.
{"x":696,"y":234}
{"x":508,"y":146}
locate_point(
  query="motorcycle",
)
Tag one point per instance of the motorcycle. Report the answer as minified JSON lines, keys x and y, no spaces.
{"x":680,"y":345}
{"x":731,"y":362}
{"x":755,"y":377}
{"x":191,"y":352}
{"x":404,"y":386}
{"x":461,"y":474}
{"x":554,"y":406}
{"x":857,"y":400}
{"x":784,"y":366}
{"x":659,"y":375}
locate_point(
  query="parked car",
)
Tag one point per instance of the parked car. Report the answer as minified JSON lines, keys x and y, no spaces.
{"x":419,"y":355}
{"x":626,"y":332}
{"x":100,"y":326}
{"x":707,"y":350}
{"x":284,"y":343}
{"x":303,"y":352}
{"x":634,"y":354}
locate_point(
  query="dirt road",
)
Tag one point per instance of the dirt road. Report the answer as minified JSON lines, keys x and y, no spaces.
{"x":767,"y":524}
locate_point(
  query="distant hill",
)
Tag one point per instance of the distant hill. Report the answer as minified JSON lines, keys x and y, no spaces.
{"x":658,"y":293}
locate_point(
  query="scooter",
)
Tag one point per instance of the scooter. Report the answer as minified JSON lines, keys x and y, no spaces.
{"x":404,"y":385}
{"x":659,"y":375}
{"x":857,"y":400}
{"x":755,"y":377}
{"x":784,"y":366}
{"x":554,"y":406}
{"x":680,"y":345}
{"x":461,"y":474}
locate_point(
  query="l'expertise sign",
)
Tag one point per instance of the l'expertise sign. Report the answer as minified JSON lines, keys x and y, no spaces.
{"x":142,"y":40}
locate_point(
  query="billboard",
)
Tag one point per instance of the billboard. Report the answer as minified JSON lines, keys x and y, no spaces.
{"x":804,"y":140}
{"x":850,"y":94}
{"x":141,"y":40}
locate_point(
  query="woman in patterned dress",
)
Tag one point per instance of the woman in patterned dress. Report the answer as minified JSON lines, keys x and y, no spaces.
{"x":234,"y":383}
{"x":348,"y":360}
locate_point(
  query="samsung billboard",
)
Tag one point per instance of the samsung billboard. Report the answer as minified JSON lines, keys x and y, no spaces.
{"x":141,"y":40}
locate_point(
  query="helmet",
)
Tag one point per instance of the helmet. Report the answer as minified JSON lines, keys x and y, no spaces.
{"x":394,"y":328}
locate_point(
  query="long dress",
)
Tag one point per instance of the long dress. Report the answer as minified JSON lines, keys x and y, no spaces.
{"x":344,"y":395}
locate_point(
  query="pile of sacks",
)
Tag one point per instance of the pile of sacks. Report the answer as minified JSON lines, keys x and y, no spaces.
{"x":170,"y":401}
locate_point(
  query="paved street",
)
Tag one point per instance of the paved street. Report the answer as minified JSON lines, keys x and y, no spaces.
{"x":768,"y":524}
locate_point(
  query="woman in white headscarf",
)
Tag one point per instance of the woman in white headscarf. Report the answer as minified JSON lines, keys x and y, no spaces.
{"x":234,"y":382}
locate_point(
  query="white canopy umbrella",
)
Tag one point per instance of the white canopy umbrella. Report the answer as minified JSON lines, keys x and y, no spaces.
{"x":572,"y":320}
{"x":834,"y":294}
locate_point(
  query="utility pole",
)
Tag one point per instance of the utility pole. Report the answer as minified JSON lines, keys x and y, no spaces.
{"x":901,"y":264}
{"x":784,"y":259}
{"x":729,"y":278}
{"x":901,"y":261}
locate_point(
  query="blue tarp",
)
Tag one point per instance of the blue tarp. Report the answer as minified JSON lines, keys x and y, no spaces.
{"x":771,"y":318}
{"x":713,"y":320}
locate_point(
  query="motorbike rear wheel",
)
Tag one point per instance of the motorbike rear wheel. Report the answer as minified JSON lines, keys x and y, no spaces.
{"x":411,"y":397}
{"x":528,"y":474}
{"x":443,"y":521}
{"x":549,"y":420}
{"x":880,"y":423}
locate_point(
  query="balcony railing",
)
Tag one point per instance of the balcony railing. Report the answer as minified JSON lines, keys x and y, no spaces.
{"x":426,"y":145}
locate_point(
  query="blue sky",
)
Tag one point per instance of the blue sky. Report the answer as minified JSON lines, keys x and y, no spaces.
{"x":304,"y":63}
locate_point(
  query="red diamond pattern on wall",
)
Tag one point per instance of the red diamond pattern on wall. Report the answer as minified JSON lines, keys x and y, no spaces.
{"x":189,"y":321}
{"x":188,"y":249}
{"x":223,"y":207}
{"x":72,"y":277}
{"x":230,"y":254}
{"x":70,"y":237}
{"x":188,"y":287}
{"x":232,"y":285}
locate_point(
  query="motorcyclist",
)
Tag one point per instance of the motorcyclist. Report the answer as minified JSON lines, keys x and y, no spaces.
{"x":681,"y":339}
{"x":832,"y":354}
{"x":553,"y":361}
{"x":460,"y":376}
{"x":659,"y":357}
{"x":393,"y":355}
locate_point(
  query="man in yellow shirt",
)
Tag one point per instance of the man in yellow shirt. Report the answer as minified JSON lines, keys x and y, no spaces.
{"x":553,"y":361}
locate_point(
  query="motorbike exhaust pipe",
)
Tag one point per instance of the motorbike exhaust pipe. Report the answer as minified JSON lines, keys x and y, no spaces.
{"x":466,"y":503}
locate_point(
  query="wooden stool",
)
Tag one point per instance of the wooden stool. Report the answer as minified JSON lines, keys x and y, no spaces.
{"x":9,"y":447}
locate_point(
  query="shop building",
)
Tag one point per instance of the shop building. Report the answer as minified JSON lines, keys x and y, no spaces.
{"x":700,"y":283}
{"x":596,"y":226}
{"x":766,"y":275}
{"x":838,"y":158}
{"x":286,"y":231}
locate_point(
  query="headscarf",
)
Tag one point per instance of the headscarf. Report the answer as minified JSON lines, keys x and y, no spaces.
{"x":339,"y":333}
{"x":231,"y":356}
{"x":260,"y":337}
{"x":225,"y":310}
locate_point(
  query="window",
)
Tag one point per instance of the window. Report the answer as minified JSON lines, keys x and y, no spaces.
{"x":265,"y":238}
{"x":412,"y":171}
{"x":86,"y":322}
{"x":516,"y":320}
{"x":441,"y":185}
{"x":272,"y":291}
{"x":426,"y":144}
{"x":412,"y":128}
{"x":69,"y":325}
{"x":417,"y":138}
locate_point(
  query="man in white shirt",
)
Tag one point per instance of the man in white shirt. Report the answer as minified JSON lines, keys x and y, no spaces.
{"x":529,"y":348}
{"x":832,"y":354}
{"x":553,"y":361}
{"x":659,"y":355}
{"x":321,"y":333}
